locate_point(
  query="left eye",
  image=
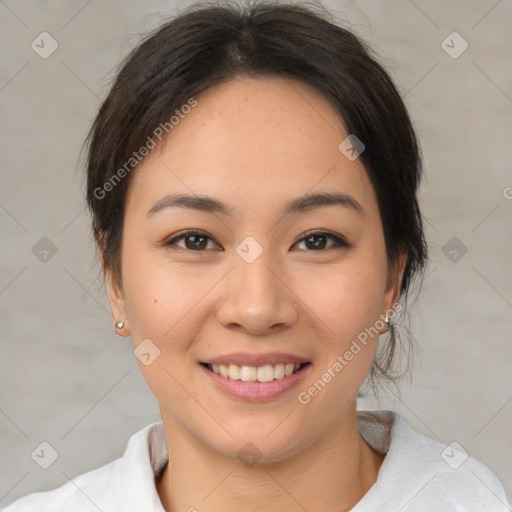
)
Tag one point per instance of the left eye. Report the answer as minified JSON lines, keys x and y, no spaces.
{"x":318,"y":239}
{"x":197,"y":241}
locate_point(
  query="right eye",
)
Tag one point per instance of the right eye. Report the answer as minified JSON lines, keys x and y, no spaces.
{"x":194,"y":240}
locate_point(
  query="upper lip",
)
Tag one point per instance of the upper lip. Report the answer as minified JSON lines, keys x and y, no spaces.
{"x":246,"y":359}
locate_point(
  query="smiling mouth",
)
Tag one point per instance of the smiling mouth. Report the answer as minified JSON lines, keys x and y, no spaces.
{"x":265,"y":373}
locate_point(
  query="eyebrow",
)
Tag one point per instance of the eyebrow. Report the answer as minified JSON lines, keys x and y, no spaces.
{"x":299,"y":205}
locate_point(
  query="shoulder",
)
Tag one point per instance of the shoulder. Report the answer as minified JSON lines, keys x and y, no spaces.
{"x":126,"y":483}
{"x":460,"y":480}
{"x":425,"y":474}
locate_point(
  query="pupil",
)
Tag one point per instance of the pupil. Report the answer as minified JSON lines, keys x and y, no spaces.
{"x":316,"y":245}
{"x":194,"y":245}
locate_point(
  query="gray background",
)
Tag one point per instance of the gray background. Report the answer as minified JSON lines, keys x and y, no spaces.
{"x":66,"y":378}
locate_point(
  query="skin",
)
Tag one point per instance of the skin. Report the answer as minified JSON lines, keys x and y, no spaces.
{"x":254,"y":144}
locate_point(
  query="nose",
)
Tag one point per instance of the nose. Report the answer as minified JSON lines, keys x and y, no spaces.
{"x":257,"y":298}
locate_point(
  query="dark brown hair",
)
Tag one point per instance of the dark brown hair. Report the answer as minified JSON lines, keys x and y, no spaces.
{"x":210,"y":43}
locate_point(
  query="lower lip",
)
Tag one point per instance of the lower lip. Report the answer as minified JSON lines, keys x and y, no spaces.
{"x":257,"y":391}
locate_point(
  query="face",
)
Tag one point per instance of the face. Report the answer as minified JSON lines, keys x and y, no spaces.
{"x":255,"y":275}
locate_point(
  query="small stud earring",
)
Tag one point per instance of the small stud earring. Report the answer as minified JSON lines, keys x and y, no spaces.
{"x":119,"y":325}
{"x":388,"y":321}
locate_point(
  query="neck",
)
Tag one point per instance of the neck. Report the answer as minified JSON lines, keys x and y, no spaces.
{"x":332,"y":474}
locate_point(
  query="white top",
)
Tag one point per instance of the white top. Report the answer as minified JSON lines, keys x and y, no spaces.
{"x":418,"y":474}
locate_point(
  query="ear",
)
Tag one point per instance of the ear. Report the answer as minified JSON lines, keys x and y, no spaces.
{"x":394,"y":281}
{"x":116,"y":300}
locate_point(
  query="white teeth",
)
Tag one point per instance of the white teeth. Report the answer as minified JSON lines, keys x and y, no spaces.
{"x":234,"y":372}
{"x":265,"y":373}
{"x":278,"y":371}
{"x":249,"y":373}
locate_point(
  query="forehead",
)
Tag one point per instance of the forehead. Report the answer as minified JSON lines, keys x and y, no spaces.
{"x":254,"y":142}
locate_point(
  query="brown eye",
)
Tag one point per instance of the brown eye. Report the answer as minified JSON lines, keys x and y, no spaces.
{"x":194,"y":241}
{"x":317,"y":241}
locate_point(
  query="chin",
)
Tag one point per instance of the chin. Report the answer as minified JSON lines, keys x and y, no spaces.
{"x":264,"y":441}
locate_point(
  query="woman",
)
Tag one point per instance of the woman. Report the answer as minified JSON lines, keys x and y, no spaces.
{"x":252,"y":180}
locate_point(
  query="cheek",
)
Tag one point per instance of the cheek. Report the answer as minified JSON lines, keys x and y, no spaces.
{"x":347,"y":303}
{"x":348,"y":312}
{"x":158,"y":295}
{"x":164,"y":306}
{"x":346,"y":300}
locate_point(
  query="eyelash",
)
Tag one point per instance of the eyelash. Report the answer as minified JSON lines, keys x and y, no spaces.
{"x":339,"y":242}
